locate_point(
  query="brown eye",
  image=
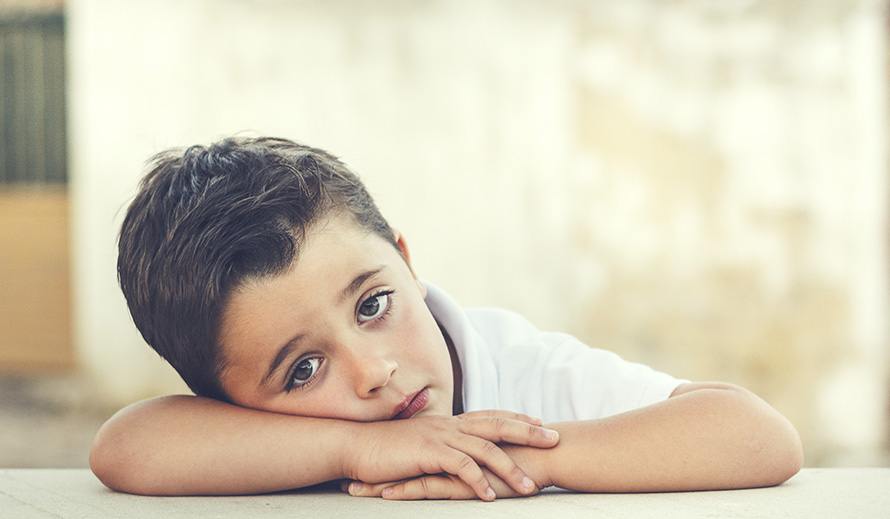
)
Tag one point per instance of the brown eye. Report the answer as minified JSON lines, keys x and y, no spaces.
{"x":305,"y":369}
{"x":373,"y":307}
{"x":303,"y":373}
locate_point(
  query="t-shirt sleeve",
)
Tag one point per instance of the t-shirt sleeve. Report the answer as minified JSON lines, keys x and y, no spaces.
{"x":558,"y":378}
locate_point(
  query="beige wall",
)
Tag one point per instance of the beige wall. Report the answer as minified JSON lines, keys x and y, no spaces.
{"x":701,"y":186}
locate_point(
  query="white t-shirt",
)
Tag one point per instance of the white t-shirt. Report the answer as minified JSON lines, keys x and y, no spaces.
{"x":509,"y":364}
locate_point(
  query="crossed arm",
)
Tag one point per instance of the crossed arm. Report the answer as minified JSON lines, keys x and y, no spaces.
{"x":186,"y":445}
{"x":706,"y":436}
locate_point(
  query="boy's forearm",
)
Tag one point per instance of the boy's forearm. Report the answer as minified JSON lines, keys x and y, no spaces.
{"x":150,"y":448}
{"x":715,"y":437}
{"x":185,"y":445}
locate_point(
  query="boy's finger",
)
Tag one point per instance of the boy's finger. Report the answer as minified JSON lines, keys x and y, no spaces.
{"x":360,"y":489}
{"x":463,"y":464}
{"x":509,"y":415}
{"x":424,"y":487}
{"x":497,"y":461}
{"x":498,"y":430}
{"x":429,"y":487}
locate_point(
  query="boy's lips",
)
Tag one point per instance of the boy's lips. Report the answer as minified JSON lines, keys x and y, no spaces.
{"x":412,"y":405}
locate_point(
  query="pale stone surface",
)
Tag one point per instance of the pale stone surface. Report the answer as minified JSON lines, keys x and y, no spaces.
{"x":814,"y":493}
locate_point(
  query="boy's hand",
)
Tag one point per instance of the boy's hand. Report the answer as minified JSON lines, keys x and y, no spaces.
{"x":437,"y":486}
{"x":459,"y":446}
{"x":447,"y":486}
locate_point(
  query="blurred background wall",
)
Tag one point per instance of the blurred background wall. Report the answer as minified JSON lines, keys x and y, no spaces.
{"x":697,"y":185}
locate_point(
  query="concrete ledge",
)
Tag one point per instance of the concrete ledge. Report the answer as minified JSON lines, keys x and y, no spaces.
{"x":814,"y":493}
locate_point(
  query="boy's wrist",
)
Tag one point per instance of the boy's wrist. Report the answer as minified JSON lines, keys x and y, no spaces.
{"x":365,"y":455}
{"x":533,"y":461}
{"x":354,"y":443}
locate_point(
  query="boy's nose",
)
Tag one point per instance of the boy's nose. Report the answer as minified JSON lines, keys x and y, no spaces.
{"x":372,"y":372}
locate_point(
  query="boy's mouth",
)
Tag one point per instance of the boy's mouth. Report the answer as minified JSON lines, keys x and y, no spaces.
{"x":412,"y":405}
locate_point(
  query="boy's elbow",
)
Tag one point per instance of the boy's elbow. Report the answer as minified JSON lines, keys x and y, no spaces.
{"x":768,"y":449}
{"x":108,"y":462}
{"x":115,"y":463}
{"x":103,"y":462}
{"x":775,"y":445}
{"x":788,"y":455}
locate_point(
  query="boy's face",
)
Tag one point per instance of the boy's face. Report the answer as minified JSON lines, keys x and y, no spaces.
{"x":344,"y":334}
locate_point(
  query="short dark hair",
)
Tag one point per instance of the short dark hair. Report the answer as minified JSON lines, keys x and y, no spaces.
{"x":208,"y":218}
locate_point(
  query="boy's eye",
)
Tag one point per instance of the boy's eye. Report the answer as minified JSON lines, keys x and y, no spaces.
{"x":373,"y":307}
{"x":305,"y":370}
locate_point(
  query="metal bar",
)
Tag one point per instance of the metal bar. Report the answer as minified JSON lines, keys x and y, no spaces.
{"x":54,"y":115}
{"x":4,"y":89}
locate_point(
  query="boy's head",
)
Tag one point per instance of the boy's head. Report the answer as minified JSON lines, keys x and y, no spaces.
{"x":207,"y":220}
{"x":344,"y":333}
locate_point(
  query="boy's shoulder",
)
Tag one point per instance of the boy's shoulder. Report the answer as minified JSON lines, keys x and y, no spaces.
{"x":498,"y":328}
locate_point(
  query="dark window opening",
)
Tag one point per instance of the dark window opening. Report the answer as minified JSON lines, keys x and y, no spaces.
{"x":32,"y":99}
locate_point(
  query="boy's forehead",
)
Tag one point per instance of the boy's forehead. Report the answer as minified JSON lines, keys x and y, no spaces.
{"x":338,"y":237}
{"x":336,"y":256}
{"x":337,"y":226}
{"x":341,"y":233}
{"x":338,"y":260}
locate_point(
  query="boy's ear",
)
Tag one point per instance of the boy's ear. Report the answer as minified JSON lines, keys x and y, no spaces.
{"x":403,"y":246}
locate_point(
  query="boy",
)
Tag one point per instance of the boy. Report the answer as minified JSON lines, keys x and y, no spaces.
{"x":263,"y":272}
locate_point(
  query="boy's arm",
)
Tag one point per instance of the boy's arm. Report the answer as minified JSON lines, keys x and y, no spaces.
{"x":706,"y":436}
{"x":186,"y":445}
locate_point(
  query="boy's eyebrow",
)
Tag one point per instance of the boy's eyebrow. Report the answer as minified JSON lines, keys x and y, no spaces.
{"x":283,"y":353}
{"x":292,"y":344}
{"x":357,"y":283}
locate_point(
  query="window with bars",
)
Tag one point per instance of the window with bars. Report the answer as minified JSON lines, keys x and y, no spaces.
{"x":32,"y":99}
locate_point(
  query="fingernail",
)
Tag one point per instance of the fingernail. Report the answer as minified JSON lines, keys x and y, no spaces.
{"x":355,"y":488}
{"x":387,"y":492}
{"x":490,"y":494}
{"x":528,"y":484}
{"x":552,"y":435}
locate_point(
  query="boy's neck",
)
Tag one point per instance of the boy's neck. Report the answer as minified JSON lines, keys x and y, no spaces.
{"x":457,"y":404}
